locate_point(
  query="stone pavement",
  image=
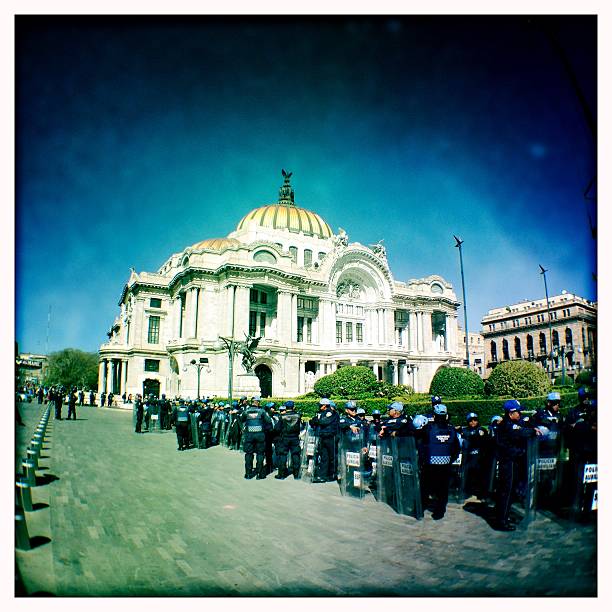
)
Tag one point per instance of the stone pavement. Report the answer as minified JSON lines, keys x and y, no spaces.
{"x":121,"y":514}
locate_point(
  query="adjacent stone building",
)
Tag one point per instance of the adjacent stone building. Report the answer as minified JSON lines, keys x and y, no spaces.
{"x":317,"y":300}
{"x":476,"y":349}
{"x":521,"y":331}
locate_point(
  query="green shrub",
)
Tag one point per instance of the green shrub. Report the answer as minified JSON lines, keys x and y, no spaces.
{"x":518,"y":379}
{"x":350,"y":382}
{"x":452,"y":382}
{"x":584,"y":379}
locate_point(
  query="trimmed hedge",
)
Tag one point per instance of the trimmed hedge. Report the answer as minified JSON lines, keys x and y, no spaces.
{"x":517,"y":379}
{"x":353,"y":382}
{"x":454,"y":382}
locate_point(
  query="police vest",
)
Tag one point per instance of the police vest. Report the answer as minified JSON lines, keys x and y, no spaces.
{"x":474,"y":439}
{"x":254,"y":420}
{"x":182,"y":415}
{"x":290,"y":423}
{"x":439,"y":442}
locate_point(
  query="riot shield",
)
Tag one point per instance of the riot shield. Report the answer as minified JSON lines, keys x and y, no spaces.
{"x":385,"y":469}
{"x":407,"y":480}
{"x":458,"y":477}
{"x":530,"y":482}
{"x":548,"y":468}
{"x":195,"y":430}
{"x":584,"y":501}
{"x":351,"y":463}
{"x":223,"y":429}
{"x":310,"y":453}
{"x":154,"y":422}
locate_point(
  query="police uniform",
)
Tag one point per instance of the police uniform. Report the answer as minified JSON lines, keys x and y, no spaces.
{"x":72,"y":400}
{"x":511,"y":439}
{"x":139,"y":415}
{"x":440,"y":449}
{"x":92,"y":398}
{"x":58,"y":399}
{"x":204,"y":419}
{"x":475,"y":446}
{"x":288,"y":441}
{"x":271,"y":435}
{"x":325,"y":423}
{"x":181,"y":418}
{"x":81,"y":397}
{"x":254,"y":419}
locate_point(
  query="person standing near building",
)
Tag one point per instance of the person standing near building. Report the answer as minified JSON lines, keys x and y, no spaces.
{"x":475,"y":446}
{"x":72,"y":400}
{"x":92,"y":398}
{"x":255,"y":419}
{"x":511,"y":436}
{"x":139,"y":413}
{"x":58,"y":400}
{"x":326,"y":423}
{"x":180,"y":416}
{"x":81,"y":397}
{"x":110,"y":398}
{"x":40,"y":395}
{"x":441,"y":447}
{"x":288,"y":442}
{"x":102,"y":399}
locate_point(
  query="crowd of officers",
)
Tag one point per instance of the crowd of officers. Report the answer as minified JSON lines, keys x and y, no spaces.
{"x":493,"y":458}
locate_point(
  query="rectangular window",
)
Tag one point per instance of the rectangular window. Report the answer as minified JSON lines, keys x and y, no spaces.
{"x":308,"y":330}
{"x":321,"y":255}
{"x":151,"y":365}
{"x":349,"y":332}
{"x":155,"y":303}
{"x":300,"y":329}
{"x":300,"y":302}
{"x":293,"y":253}
{"x":263,"y":297}
{"x":359,"y":330}
{"x":153,"y":336}
{"x":307,"y":257}
{"x":253,"y":296}
{"x":262,"y":324}
{"x":338,"y":332}
{"x":252,"y":322}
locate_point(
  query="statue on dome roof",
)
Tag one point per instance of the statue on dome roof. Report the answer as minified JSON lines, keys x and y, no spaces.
{"x":286,"y":194}
{"x":340,"y":239}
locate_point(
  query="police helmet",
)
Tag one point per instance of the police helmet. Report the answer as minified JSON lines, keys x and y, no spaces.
{"x":270,"y":405}
{"x":495,"y":419}
{"x":470,"y":416}
{"x":221,"y":404}
{"x":350,"y":405}
{"x":512,"y":405}
{"x":243,"y":398}
{"x":420,"y":421}
{"x":396,"y":406}
{"x":435,"y":399}
{"x":324,"y":402}
{"x":332,"y":404}
{"x":256,"y":398}
{"x":583,"y":392}
{"x":360,"y":411}
{"x":375,"y":412}
{"x":234,"y":403}
{"x":289,"y":404}
{"x":440,"y":409}
{"x":554,"y":396}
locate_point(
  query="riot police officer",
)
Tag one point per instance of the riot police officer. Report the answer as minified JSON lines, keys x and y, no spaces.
{"x":440,"y":449}
{"x":180,"y":416}
{"x":349,"y":420}
{"x":102,"y":398}
{"x":288,"y":441}
{"x":397,"y":424}
{"x":110,"y":398}
{"x":475,"y":443}
{"x":511,"y":435}
{"x":254,"y":419}
{"x":139,"y":413}
{"x":271,"y":435}
{"x":164,"y":412}
{"x":325,"y":423}
{"x":550,"y":416}
{"x":81,"y":397}
{"x":234,"y":432}
{"x":92,"y":398}
{"x":72,"y":400}
{"x":204,"y":419}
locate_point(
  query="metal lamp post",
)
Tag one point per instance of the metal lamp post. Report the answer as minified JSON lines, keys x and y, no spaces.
{"x":543,"y":273}
{"x":231,"y":346}
{"x":202,"y":363}
{"x":467,"y":336}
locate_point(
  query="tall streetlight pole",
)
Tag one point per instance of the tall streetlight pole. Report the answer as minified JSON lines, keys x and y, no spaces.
{"x":467,"y":336}
{"x":543,"y":273}
{"x":231,"y":345}
{"x":203,"y":363}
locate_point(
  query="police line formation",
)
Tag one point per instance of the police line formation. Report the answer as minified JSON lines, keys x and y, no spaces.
{"x":412,"y":463}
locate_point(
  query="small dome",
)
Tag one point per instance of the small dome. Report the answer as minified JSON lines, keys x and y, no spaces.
{"x":216,"y":244}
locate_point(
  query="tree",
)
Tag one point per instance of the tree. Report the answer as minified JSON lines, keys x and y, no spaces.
{"x":349,"y":382}
{"x":518,"y":379}
{"x":454,"y":382}
{"x":73,"y":368}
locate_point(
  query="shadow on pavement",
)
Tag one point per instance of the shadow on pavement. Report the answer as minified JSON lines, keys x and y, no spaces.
{"x":39,"y":506}
{"x":45,"y":479}
{"x":38,"y":541}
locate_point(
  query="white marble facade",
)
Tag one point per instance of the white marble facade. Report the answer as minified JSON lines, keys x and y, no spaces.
{"x":318,"y":300}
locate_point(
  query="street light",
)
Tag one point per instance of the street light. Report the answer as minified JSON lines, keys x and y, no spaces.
{"x":202,"y":363}
{"x":543,"y":273}
{"x":467,"y":336}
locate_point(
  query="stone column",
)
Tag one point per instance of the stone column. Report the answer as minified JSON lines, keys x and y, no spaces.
{"x":293,"y":318}
{"x":396,"y":373}
{"x":195,"y":298}
{"x":241,"y":326}
{"x":389,"y":319}
{"x":124,"y":372}
{"x":101,"y":375}
{"x":412,"y":319}
{"x":229,"y":310}
{"x":414,"y":378}
{"x":301,"y":376}
{"x":283,"y":316}
{"x":109,"y":376}
{"x":419,"y":330}
{"x":375,"y":369}
{"x":427,"y":332}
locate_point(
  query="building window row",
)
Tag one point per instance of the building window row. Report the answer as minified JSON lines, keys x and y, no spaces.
{"x":258,"y":297}
{"x":350,"y":309}
{"x":153,"y":333}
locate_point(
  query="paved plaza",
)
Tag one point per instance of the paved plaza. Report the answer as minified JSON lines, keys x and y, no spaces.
{"x":121,"y":514}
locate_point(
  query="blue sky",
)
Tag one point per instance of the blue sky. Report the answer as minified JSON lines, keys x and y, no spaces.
{"x":138,"y":137}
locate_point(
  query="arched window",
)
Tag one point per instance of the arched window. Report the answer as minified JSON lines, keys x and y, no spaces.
{"x":529,"y":345}
{"x":517,"y":348}
{"x":493,"y":351}
{"x":542,"y":342}
{"x":569,"y":339}
{"x":505,"y":350}
{"x":555,"y":338}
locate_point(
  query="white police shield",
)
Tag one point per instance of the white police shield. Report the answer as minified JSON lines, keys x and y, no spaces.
{"x":195,"y":430}
{"x":154,"y":418}
{"x":386,"y":462}
{"x":530,"y":477}
{"x":549,"y":468}
{"x":584,"y":500}
{"x":407,"y":477}
{"x":310,"y":454}
{"x":351,"y":455}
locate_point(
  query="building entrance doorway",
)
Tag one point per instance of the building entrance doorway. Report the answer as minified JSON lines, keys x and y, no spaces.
{"x":264,"y":374}
{"x":150,"y":387}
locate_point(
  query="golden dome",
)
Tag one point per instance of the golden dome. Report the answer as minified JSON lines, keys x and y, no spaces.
{"x":216,"y":244}
{"x":288,"y":216}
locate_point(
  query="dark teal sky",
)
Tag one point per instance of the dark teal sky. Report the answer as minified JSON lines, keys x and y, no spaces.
{"x":138,"y":137}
